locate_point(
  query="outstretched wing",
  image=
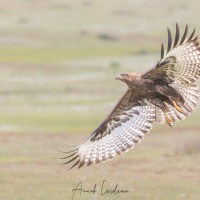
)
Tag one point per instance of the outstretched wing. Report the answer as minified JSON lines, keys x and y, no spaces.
{"x":125,"y":126}
{"x":181,"y":62}
{"x":180,"y":67}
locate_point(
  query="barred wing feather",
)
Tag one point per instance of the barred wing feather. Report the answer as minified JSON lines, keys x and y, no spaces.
{"x":191,"y":96}
{"x":180,"y":67}
{"x":121,"y":130}
{"x":181,"y":62}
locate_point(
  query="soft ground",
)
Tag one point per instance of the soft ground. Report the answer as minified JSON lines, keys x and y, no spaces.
{"x":58,"y":63}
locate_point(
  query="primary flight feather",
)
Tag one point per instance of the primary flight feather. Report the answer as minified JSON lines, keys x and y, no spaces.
{"x":166,"y":93}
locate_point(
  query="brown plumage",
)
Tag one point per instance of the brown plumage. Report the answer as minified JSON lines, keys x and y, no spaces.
{"x":166,"y":93}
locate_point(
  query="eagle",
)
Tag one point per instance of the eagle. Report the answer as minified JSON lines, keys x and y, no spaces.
{"x":166,"y":93}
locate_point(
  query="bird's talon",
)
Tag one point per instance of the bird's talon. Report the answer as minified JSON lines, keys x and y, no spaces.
{"x":177,"y":107}
{"x":168,"y":120}
{"x":171,"y":124}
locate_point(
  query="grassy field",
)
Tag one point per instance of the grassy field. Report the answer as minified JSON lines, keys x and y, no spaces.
{"x":58,"y":63}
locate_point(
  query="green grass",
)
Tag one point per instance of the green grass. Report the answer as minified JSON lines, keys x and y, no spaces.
{"x":55,"y":55}
{"x":51,"y":122}
{"x":15,"y":159}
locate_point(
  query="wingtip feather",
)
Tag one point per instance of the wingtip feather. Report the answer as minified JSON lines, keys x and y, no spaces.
{"x":169,"y":46}
{"x":191,"y":36}
{"x":184,"y":34}
{"x":162,"y":51}
{"x":176,"y":36}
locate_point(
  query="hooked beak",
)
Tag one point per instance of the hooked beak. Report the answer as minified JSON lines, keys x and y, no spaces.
{"x":118,"y":77}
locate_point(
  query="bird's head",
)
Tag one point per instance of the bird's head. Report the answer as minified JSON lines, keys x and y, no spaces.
{"x":129,"y":77}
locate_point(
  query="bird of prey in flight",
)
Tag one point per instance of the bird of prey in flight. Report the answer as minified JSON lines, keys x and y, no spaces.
{"x":166,"y":93}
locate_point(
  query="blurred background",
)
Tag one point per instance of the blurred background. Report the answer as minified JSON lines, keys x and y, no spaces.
{"x":58,"y":63}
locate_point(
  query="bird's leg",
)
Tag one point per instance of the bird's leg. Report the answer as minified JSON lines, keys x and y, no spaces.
{"x":172,"y":95}
{"x":176,"y":106}
{"x":160,"y":104}
{"x":168,"y":120}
